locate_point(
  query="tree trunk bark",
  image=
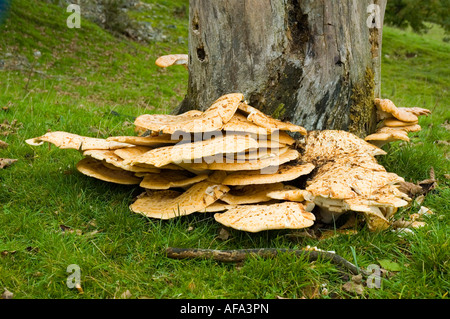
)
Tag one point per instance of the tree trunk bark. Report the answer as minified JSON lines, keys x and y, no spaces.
{"x":315,"y":63}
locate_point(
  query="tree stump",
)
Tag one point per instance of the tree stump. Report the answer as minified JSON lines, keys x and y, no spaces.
{"x":315,"y":63}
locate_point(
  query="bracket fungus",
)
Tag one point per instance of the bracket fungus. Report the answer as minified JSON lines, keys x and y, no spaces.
{"x":172,"y":59}
{"x":149,"y":141}
{"x":212,"y":119}
{"x":167,"y":179}
{"x":256,"y":218}
{"x":251,"y":194}
{"x":246,"y":168}
{"x":170,"y":204}
{"x":395,"y":122}
{"x":259,"y":118}
{"x":95,"y":168}
{"x":64,"y":140}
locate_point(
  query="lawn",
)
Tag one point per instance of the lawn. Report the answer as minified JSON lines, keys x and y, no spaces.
{"x":89,"y":82}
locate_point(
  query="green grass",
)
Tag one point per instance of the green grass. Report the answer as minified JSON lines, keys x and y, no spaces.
{"x":83,"y":75}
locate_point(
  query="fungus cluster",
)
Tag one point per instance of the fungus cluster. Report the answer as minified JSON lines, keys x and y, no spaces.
{"x":395,"y":122}
{"x":348,"y":178}
{"x":242,"y":165}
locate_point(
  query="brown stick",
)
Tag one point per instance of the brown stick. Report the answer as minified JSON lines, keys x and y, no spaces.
{"x":238,"y":255}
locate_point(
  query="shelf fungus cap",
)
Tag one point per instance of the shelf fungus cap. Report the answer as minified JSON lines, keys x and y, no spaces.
{"x":167,"y":204}
{"x":212,"y":119}
{"x":417,"y":111}
{"x":149,"y":141}
{"x":94,"y":168}
{"x":346,"y":182}
{"x":375,"y":219}
{"x":380,"y":139}
{"x":408,"y":129}
{"x":259,"y":118}
{"x":171,"y":179}
{"x":217,"y":206}
{"x":131,"y":152}
{"x":275,"y":138}
{"x":260,"y":154}
{"x":292,"y":194}
{"x":256,"y":218}
{"x":386,"y":107}
{"x":65,"y":140}
{"x":190,"y":152}
{"x":113,"y":161}
{"x":286,"y":172}
{"x":328,"y":145}
{"x":267,"y":163}
{"x":166,"y":123}
{"x":239,"y":123}
{"x":172,"y":59}
{"x":251,"y":194}
{"x":393,"y":122}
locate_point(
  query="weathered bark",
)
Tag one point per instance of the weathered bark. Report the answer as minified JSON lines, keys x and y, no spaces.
{"x":315,"y":63}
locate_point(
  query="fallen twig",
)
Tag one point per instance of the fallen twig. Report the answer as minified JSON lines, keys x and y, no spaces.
{"x":238,"y":255}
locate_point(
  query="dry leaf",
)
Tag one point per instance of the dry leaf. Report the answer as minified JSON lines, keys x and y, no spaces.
{"x":191,"y":285}
{"x":224,"y":234}
{"x":402,"y":224}
{"x":310,"y":291}
{"x":7,"y":128}
{"x":67,"y":230}
{"x":427,"y":185}
{"x":403,"y":231}
{"x":445,"y":143}
{"x":446,"y":125}
{"x":3,"y":144}
{"x":126,"y":295}
{"x":353,"y":287}
{"x":5,"y":162}
{"x":410,"y":189}
{"x":418,"y":224}
{"x":432,"y":174}
{"x":80,"y":290}
{"x":92,"y":223}
{"x":90,"y":234}
{"x":351,"y":222}
{"x":6,"y":252}
{"x":419,"y":199}
{"x":33,"y":250}
{"x":423,"y":211}
{"x":357,"y":279}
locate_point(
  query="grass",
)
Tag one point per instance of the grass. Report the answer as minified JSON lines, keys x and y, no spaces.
{"x":92,"y":83}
